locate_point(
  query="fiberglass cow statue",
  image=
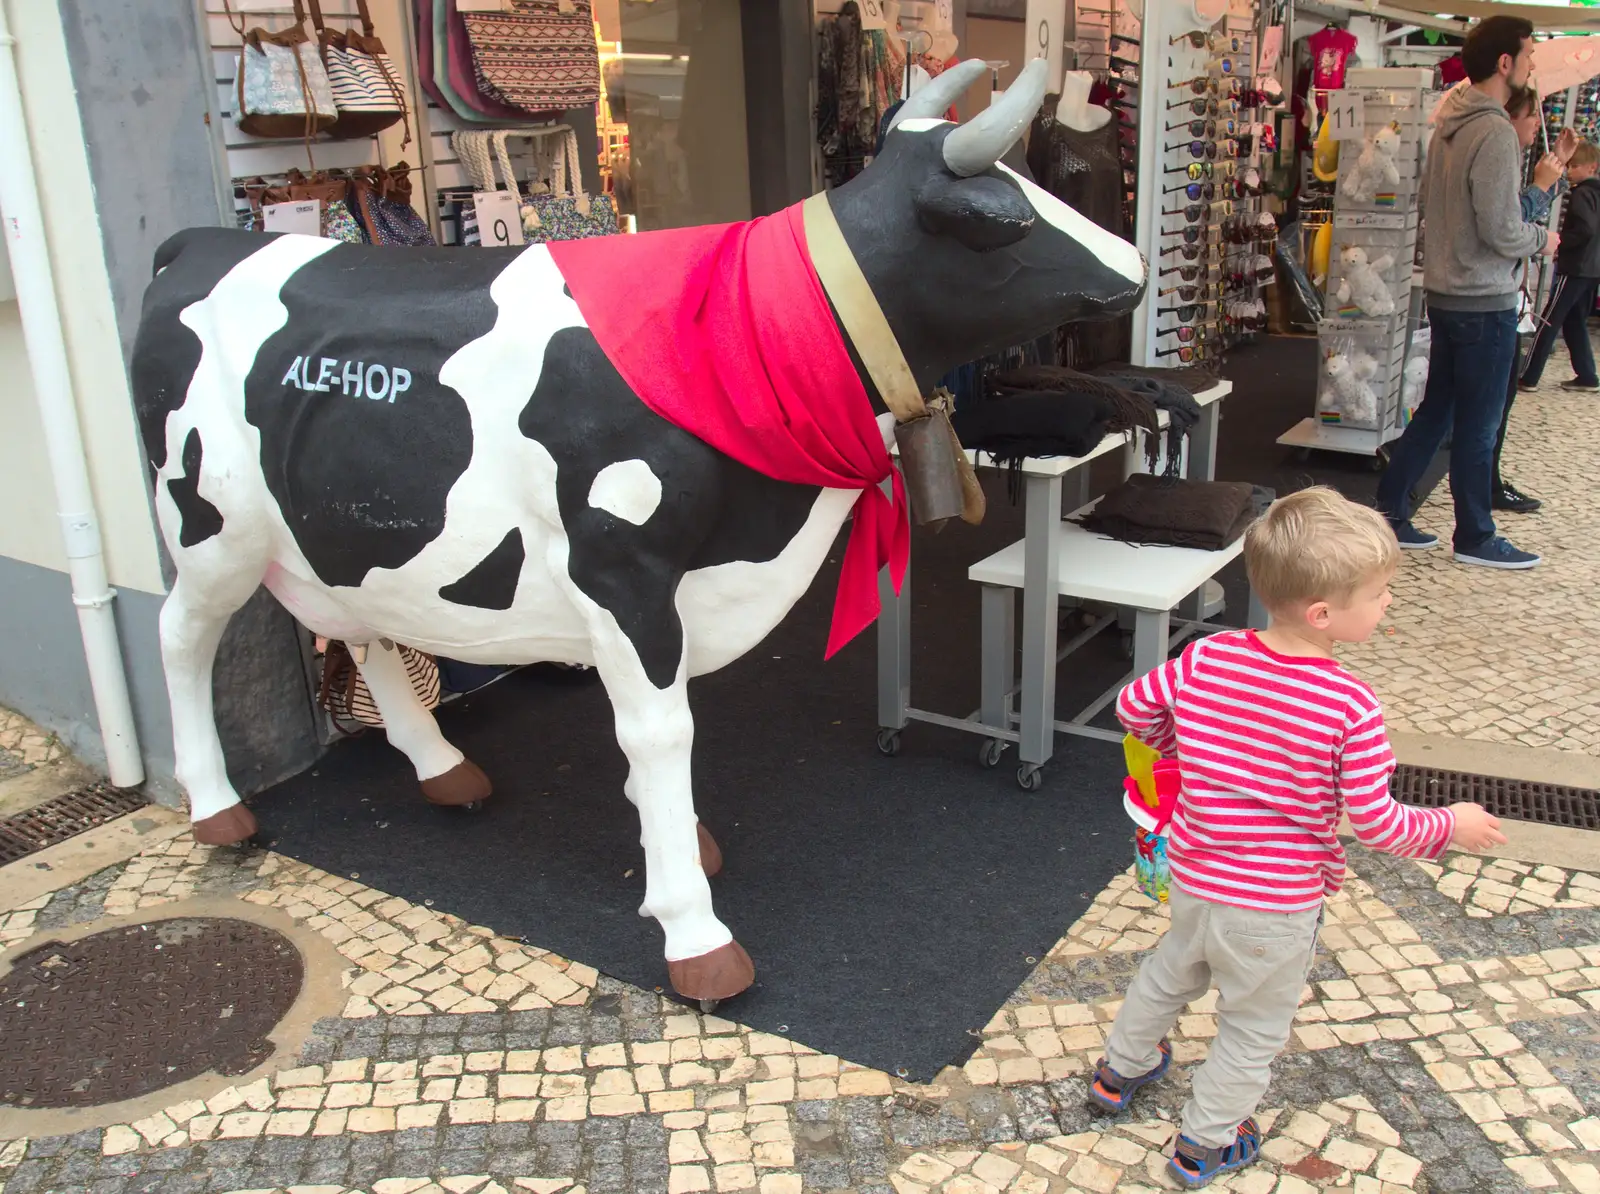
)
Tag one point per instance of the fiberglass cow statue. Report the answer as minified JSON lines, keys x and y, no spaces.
{"x":633,"y":452}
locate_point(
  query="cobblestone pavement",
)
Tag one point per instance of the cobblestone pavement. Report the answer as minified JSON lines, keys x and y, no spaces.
{"x":1535,"y":680}
{"x":24,"y":746}
{"x":1449,"y":1040}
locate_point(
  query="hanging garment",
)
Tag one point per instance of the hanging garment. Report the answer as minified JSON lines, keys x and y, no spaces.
{"x":1084,"y":170}
{"x":727,"y":332}
{"x":1331,"y":50}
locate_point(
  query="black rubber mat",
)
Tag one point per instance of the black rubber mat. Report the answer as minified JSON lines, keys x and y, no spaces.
{"x":890,"y":905}
{"x":1517,"y":799}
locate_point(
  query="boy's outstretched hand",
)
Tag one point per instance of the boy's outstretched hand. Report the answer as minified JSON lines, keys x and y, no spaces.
{"x":1475,"y":828}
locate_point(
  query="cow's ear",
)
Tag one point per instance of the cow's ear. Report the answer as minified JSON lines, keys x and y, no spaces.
{"x":985,"y":212}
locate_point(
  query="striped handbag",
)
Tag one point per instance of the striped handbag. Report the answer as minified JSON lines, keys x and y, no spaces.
{"x":539,"y":56}
{"x":344,"y":693}
{"x":367,"y":89}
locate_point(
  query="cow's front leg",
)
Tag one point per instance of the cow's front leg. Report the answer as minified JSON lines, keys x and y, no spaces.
{"x":656,"y":732}
{"x":447,"y":776}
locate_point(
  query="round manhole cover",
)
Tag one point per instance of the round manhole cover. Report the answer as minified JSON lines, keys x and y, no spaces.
{"x":122,"y":1013}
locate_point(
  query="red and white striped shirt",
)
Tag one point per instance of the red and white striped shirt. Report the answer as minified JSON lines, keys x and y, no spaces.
{"x":1270,"y":748}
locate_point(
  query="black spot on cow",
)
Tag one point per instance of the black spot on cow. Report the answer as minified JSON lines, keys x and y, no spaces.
{"x":492,"y":584}
{"x":165,"y":352}
{"x":566,"y":290}
{"x":713,"y":510}
{"x":360,"y":443}
{"x":200,"y":519}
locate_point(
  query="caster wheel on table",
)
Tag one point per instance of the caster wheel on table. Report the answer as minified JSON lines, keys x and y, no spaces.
{"x":472,"y":806}
{"x":1302,"y":455}
{"x":990,"y":752}
{"x":1127,"y":644}
{"x":1030,"y":777}
{"x":889,"y":742}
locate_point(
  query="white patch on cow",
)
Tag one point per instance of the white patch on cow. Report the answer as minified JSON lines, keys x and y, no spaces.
{"x":628,"y":490}
{"x":1113,"y":252}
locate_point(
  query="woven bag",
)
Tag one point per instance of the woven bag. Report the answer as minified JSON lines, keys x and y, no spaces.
{"x":366,"y":88}
{"x":345,"y":695}
{"x":539,"y":56}
{"x":282,"y":86}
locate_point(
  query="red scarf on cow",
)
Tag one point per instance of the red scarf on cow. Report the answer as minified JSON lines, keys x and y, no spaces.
{"x":725,"y":330}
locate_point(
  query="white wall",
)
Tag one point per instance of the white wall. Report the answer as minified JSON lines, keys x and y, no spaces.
{"x":28,"y":528}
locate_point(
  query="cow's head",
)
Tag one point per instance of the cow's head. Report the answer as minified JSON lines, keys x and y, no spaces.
{"x":964,"y":252}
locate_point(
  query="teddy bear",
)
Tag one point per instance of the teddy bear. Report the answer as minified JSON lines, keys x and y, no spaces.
{"x":1361,"y":281}
{"x":1374,"y":168}
{"x":1348,"y":392}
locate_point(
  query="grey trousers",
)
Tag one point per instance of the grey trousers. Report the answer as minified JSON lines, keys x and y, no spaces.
{"x":1258,"y":962}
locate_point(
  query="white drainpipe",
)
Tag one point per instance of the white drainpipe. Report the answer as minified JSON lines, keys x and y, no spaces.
{"x":58,"y":411}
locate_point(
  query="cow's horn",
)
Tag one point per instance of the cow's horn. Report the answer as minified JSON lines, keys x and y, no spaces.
{"x":982,"y":141}
{"x":934,"y":97}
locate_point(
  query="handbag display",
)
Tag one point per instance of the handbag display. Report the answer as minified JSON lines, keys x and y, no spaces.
{"x":444,"y":60}
{"x":334,"y":194}
{"x":282,"y":86}
{"x":366,"y":87}
{"x":566,"y":212}
{"x":540,"y":55}
{"x":382,"y":200}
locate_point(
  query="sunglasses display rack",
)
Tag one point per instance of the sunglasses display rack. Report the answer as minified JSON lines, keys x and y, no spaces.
{"x":1371,"y":304}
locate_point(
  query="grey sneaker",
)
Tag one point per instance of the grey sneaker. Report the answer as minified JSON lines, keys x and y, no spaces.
{"x":1579,"y":386}
{"x":1497,"y":553}
{"x":1413,"y":539}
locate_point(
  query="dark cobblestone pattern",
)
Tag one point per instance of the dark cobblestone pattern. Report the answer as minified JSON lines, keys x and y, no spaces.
{"x":610,"y":1156}
{"x":1569,"y":1049}
{"x":78,"y":904}
{"x":1082,"y":979}
{"x":1441,"y":923}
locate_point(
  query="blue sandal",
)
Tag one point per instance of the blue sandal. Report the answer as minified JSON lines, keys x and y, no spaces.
{"x":1112,"y":1092}
{"x":1196,"y":1165}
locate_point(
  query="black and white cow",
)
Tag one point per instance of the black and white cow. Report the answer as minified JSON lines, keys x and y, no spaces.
{"x":428,"y":447}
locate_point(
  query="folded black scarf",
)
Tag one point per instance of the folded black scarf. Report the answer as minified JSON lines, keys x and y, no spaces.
{"x":1208,"y":515}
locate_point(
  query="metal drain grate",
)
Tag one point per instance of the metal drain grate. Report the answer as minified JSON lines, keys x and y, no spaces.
{"x":128,"y":1011}
{"x":1519,"y":800}
{"x":65,"y":816}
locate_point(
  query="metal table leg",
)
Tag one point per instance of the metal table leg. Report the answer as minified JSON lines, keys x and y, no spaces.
{"x":1201,"y":465}
{"x":894,"y":652}
{"x":999,"y":668}
{"x":1040,"y":595}
{"x":1152,"y":632}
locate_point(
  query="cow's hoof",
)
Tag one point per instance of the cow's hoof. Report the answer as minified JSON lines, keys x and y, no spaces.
{"x":465,"y":783}
{"x":720,"y":974}
{"x":710,"y":852}
{"x":231,"y":826}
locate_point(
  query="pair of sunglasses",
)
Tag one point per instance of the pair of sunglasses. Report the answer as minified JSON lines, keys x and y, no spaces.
{"x":1191,"y":252}
{"x":1194,"y":190}
{"x":1200,"y":40}
{"x":1192,"y":213}
{"x":1190,"y":294}
{"x":1195,"y":170}
{"x":1185,"y":353}
{"x":1197,"y":128}
{"x":1211,"y":106}
{"x":1210,"y":85}
{"x":1197,"y":149}
{"x":1193,"y":233}
{"x":1187,"y":272}
{"x":1185,"y":313}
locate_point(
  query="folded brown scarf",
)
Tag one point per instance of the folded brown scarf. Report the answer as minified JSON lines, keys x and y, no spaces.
{"x":1208,"y":515}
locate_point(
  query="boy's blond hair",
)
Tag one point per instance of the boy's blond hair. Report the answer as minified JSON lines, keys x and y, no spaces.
{"x":1587,"y":154}
{"x":1317,"y":545}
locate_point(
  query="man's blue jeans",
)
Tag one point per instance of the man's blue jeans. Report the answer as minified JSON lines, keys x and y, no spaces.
{"x":1469,"y":372}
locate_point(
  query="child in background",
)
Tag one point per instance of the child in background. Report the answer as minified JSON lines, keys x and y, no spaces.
{"x":1566,"y":312}
{"x":1274,"y":739}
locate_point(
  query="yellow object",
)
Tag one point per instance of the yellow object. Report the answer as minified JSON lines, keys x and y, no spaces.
{"x":1325,"y":154}
{"x":1321,"y":247}
{"x":1141,"y":760}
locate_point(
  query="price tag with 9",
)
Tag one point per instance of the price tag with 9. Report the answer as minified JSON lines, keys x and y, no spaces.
{"x":1347,"y":114}
{"x":499,"y":218}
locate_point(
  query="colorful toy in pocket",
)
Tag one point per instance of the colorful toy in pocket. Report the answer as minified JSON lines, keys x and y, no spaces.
{"x":1149,"y":796}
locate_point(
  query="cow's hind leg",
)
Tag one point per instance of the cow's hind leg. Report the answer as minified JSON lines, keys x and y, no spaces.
{"x":193,"y":618}
{"x":656,"y":733}
{"x":447,"y":776}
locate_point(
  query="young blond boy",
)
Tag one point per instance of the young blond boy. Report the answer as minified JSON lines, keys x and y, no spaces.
{"x":1274,"y":739}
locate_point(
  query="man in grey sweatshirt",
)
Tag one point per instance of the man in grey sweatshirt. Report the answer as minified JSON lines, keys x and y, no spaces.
{"x":1475,"y":245}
